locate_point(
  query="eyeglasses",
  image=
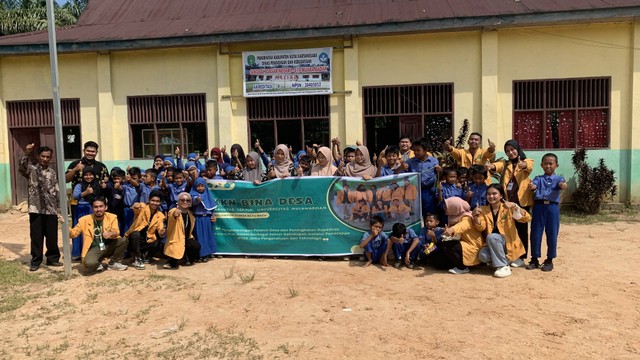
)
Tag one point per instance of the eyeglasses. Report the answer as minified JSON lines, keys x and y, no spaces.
{"x":185,"y":200}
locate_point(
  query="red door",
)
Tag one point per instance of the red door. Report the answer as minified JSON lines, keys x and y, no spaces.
{"x":20,"y":138}
{"x":411,"y":125}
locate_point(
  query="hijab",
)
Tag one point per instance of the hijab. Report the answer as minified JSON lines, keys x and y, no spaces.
{"x":256,"y":173}
{"x":282,"y":168}
{"x":327,"y":170}
{"x":191,"y":164}
{"x":456,"y":209}
{"x":516,"y":146}
{"x":207,"y":200}
{"x":169,"y":159}
{"x":359,"y":170}
{"x":216,"y":150}
{"x":95,"y":184}
{"x":296,"y":159}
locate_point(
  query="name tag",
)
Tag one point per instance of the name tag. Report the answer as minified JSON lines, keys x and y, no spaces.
{"x":117,"y":196}
{"x":510,"y":186}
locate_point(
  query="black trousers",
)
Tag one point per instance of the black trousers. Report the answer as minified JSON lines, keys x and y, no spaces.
{"x":453,"y":251}
{"x":140,"y":248}
{"x":191,"y":252}
{"x":523,"y":233}
{"x":44,"y":227}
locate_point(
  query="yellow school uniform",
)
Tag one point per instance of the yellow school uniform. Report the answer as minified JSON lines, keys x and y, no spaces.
{"x":506,"y":227}
{"x":85,"y":227}
{"x":471,"y":240}
{"x":174,"y":245}
{"x":141,"y":219}
{"x":505,"y":167}
{"x":464,"y":158}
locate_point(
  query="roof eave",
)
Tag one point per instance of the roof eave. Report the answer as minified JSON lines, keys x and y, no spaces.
{"x":432,"y":25}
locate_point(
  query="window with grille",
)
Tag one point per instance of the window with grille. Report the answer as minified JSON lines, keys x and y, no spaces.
{"x":22,"y":114}
{"x":291,"y":120}
{"x":413,"y":110}
{"x":562,"y":113}
{"x":161,"y":123}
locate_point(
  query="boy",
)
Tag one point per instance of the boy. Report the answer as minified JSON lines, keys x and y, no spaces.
{"x":114,"y":193}
{"x":430,"y":236}
{"x":477,"y":192}
{"x":393,"y":162}
{"x":428,"y":168}
{"x":402,"y":239}
{"x":375,"y":243}
{"x":305,"y":165}
{"x":178,"y":186}
{"x":448,"y":189}
{"x":131,"y":188}
{"x":546,"y":211}
{"x":148,"y":184}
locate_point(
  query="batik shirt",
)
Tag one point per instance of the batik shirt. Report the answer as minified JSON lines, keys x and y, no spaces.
{"x":44,"y":193}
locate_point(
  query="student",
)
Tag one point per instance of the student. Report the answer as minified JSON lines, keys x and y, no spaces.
{"x":114,"y":193}
{"x":192,"y":171}
{"x":398,"y":210}
{"x":238,"y":159}
{"x":401,"y":239}
{"x":375,"y":243}
{"x":304,"y":165}
{"x":148,"y":184}
{"x":178,"y":186}
{"x":283,"y":166}
{"x":464,"y":252}
{"x":448,"y":189}
{"x":361,"y":165}
{"x":498,"y":219}
{"x":475,"y":155}
{"x":514,"y":178}
{"x":360,"y":212}
{"x":362,"y":193}
{"x":146,"y":230}
{"x":546,"y":211}
{"x":195,"y":158}
{"x":391,"y":163}
{"x":132,"y":189}
{"x":427,"y":166}
{"x":84,"y":193}
{"x":405,"y":148}
{"x":477,"y":192}
{"x":324,"y":163}
{"x":463,"y":178}
{"x":203,"y":207}
{"x":100,"y":240}
{"x":180,"y":241}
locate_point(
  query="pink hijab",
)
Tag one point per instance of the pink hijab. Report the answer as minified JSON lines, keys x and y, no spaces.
{"x":282,"y":168}
{"x":456,"y":209}
{"x":327,"y":170}
{"x":359,"y":170}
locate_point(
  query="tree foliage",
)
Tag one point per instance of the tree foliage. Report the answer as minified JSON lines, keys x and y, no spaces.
{"x":595,"y":184}
{"x":19,"y":16}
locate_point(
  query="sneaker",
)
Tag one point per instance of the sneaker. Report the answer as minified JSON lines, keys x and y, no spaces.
{"x":397,"y":264}
{"x":138,"y":264}
{"x":533,"y":264}
{"x":146,"y":261}
{"x":169,"y":267}
{"x":502,"y":272}
{"x":457,"y":271}
{"x":411,"y":266}
{"x":362,"y":258}
{"x":547,"y":265}
{"x":118,"y":266}
{"x":102,"y":267}
{"x":518,"y":263}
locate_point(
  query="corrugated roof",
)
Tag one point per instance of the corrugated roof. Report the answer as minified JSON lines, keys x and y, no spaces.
{"x":131,"y":20}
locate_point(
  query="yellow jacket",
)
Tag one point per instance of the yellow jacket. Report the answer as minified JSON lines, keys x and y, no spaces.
{"x":464,"y":158}
{"x":85,"y":227}
{"x":141,"y":219}
{"x":174,"y":245}
{"x":471,"y":240}
{"x":525,"y":197}
{"x":506,"y":227}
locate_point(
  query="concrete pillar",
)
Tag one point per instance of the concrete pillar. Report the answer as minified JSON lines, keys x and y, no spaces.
{"x":493,"y":127}
{"x":353,"y":121}
{"x":634,"y":148}
{"x":107,"y":127}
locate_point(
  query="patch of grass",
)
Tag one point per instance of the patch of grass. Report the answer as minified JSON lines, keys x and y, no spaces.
{"x":142,"y":315}
{"x":214,"y":343}
{"x":195,"y":296}
{"x":569,"y":215}
{"x":285,"y":348}
{"x":293,"y":291}
{"x":92,"y":297}
{"x":12,"y":273}
{"x":13,"y":301}
{"x":61,"y":348}
{"x":229,"y":274}
{"x":247,"y":278}
{"x":182,"y":323}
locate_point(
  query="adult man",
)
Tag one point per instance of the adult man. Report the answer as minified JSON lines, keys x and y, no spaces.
{"x":74,"y":171}
{"x":100,"y":238}
{"x":405,"y":148}
{"x":147,"y":229}
{"x":475,"y":155}
{"x":44,"y":205}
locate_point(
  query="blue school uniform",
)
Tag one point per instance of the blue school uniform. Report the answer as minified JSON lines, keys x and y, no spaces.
{"x":377,"y":246}
{"x":448,"y":191}
{"x":546,"y":214}
{"x":131,"y":196}
{"x":115,"y":200}
{"x":145,"y":191}
{"x":479,"y":197}
{"x":400,"y":249}
{"x":82,"y":208}
{"x":428,"y":178}
{"x":386,"y":170}
{"x":203,"y":207}
{"x":174,"y":191}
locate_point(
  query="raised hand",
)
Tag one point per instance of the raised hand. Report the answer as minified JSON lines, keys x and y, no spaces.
{"x":562,"y":185}
{"x":447,"y":143}
{"x":448,"y":231}
{"x":533,"y":186}
{"x":521,"y":164}
{"x":177,"y":152}
{"x":492,"y":146}
{"x":223,"y":149}
{"x":29,"y":148}
{"x":358,"y":143}
{"x":489,"y":166}
{"x":477,"y":211}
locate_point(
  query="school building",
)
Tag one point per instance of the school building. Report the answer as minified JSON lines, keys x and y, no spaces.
{"x":141,"y":77}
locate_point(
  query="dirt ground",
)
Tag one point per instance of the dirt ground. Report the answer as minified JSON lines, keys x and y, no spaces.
{"x":237,"y":308}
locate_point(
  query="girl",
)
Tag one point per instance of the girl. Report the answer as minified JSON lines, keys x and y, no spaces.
{"x":361,"y":165}
{"x":283,"y":166}
{"x":180,"y":240}
{"x":324,"y":163}
{"x":514,"y":178}
{"x":203,"y":206}
{"x":499,"y":219}
{"x":84,"y":192}
{"x":238,"y":158}
{"x":464,"y":252}
{"x":253,"y":171}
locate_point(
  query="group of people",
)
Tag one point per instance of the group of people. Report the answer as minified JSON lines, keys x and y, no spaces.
{"x":166,"y":211}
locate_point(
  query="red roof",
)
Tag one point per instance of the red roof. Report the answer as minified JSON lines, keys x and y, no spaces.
{"x":129,"y":20}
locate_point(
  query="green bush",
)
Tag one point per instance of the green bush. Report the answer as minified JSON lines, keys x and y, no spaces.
{"x":594,"y":184}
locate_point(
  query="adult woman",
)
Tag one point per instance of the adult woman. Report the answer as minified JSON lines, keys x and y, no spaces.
{"x":324,"y":163}
{"x":464,"y":252}
{"x":498,"y":220}
{"x":180,"y":239}
{"x":361,"y":166}
{"x":514,"y":178}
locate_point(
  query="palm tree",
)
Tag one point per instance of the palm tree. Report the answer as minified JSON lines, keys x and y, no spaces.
{"x":19,"y":16}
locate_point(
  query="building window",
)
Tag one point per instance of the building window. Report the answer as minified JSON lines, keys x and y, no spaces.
{"x":415,"y":110}
{"x":562,"y":113}
{"x":38,"y":114}
{"x":161,"y":123}
{"x":291,"y":120}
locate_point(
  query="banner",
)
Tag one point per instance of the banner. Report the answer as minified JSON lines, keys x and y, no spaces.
{"x":310,"y":216}
{"x":287,"y":72}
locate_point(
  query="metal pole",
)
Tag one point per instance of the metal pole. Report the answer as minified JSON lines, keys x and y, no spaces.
{"x":53,"y":59}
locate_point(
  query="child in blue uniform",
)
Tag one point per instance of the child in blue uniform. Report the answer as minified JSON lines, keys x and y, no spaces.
{"x":203,"y":207}
{"x":401,"y":239}
{"x":375,"y":243}
{"x":546,"y":211}
{"x":450,"y":188}
{"x":84,"y":192}
{"x":426,"y":243}
{"x":132,"y":190}
{"x":477,"y":192}
{"x":427,"y":166}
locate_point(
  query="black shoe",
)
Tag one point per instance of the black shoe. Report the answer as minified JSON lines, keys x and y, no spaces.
{"x":54,"y":263}
{"x":34,"y":267}
{"x":204,"y":259}
{"x":76,"y":259}
{"x":547,"y":265}
{"x":533,"y":264}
